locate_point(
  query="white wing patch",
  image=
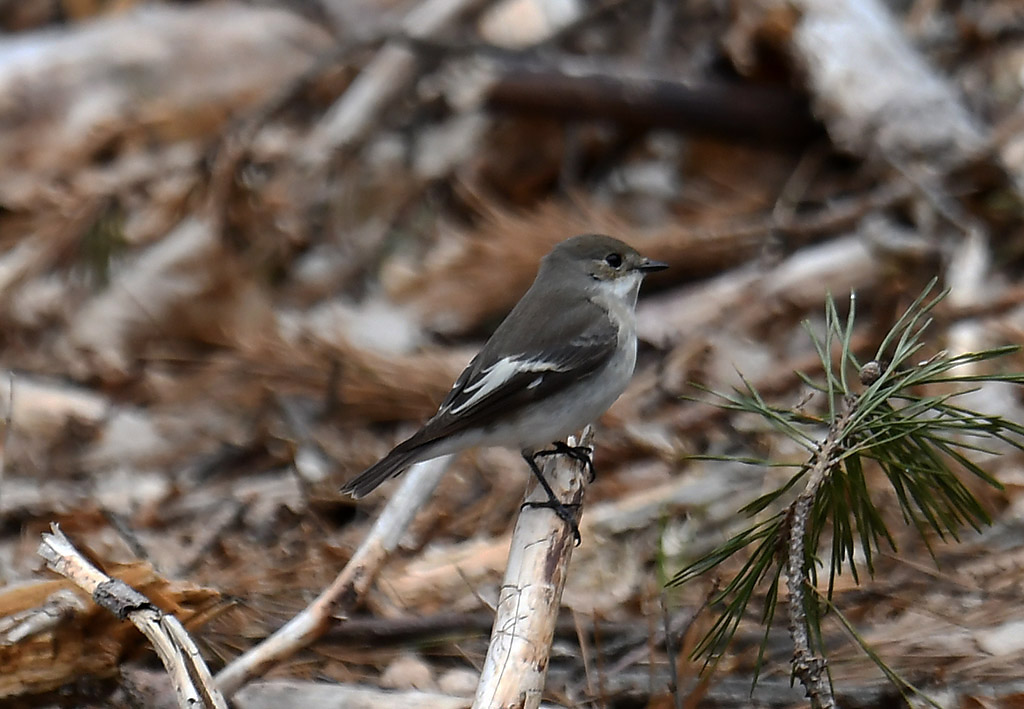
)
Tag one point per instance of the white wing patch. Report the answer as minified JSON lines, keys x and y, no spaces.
{"x":498,"y":374}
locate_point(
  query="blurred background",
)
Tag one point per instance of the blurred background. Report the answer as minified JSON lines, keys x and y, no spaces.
{"x":245,"y":248}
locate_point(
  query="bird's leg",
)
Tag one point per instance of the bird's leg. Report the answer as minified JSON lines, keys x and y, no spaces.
{"x":552,"y":503}
{"x":581,"y":454}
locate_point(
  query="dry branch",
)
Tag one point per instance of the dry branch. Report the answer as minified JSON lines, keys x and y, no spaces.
{"x":845,"y":263}
{"x":192,"y":681}
{"x":873,"y":89}
{"x":349,"y":586}
{"x":387,"y":75}
{"x":531,"y":593}
{"x":574,"y":90}
{"x":20,"y":625}
{"x":52,"y":634}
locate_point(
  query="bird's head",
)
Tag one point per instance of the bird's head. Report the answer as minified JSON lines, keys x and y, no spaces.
{"x":601,"y":258}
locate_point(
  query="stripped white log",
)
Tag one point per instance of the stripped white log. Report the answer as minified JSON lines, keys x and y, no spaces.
{"x":874,"y":90}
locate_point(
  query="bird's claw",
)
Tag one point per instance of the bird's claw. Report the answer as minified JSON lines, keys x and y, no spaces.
{"x":562,"y":510}
{"x":581,"y":454}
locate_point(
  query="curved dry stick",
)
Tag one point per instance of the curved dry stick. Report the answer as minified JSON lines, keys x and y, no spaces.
{"x":190,"y":676}
{"x":350,"y":585}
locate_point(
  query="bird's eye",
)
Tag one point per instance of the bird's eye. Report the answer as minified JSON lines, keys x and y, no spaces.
{"x":613,"y":260}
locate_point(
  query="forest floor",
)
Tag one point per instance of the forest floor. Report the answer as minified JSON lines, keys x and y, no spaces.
{"x":245,"y":248}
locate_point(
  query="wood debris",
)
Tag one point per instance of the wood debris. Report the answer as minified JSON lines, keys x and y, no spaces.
{"x":246,"y":248}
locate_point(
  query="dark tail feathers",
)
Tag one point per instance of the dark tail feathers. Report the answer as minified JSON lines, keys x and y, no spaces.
{"x":389,"y":466}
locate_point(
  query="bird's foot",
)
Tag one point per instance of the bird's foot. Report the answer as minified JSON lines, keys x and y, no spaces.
{"x":581,"y":454}
{"x":552,"y":503}
{"x":561,"y":509}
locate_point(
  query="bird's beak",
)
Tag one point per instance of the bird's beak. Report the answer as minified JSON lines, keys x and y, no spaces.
{"x":649,"y":266}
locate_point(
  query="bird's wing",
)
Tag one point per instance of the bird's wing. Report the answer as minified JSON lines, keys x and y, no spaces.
{"x":497,"y":384}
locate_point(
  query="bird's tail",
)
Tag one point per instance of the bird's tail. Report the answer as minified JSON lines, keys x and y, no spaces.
{"x":394,"y":463}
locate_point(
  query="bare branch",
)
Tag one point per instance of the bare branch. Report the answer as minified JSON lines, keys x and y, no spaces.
{"x":193,"y":683}
{"x":387,"y":75}
{"x":349,"y":586}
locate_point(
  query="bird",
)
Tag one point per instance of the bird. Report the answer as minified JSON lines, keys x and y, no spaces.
{"x":559,"y":359}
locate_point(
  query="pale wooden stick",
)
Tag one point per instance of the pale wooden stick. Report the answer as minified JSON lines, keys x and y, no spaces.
{"x":190,"y":676}
{"x":531,"y":593}
{"x":5,"y":441}
{"x":387,"y":75}
{"x":350,"y":585}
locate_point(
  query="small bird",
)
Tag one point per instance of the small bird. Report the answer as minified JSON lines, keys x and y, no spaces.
{"x":557,"y":362}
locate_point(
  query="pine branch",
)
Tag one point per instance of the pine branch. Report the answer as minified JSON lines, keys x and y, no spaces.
{"x":808,"y":666}
{"x":874,"y":412}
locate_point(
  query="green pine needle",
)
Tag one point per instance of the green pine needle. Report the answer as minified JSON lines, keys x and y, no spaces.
{"x":903,"y":417}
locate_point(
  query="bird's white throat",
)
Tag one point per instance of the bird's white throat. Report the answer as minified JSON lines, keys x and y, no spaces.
{"x":625,"y":288}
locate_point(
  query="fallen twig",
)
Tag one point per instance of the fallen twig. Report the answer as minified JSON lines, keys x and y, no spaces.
{"x":349,"y":586}
{"x":192,"y":681}
{"x":387,"y":75}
